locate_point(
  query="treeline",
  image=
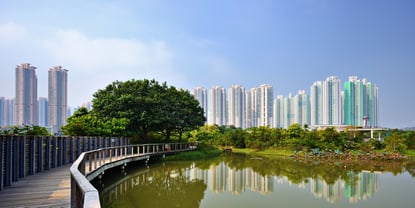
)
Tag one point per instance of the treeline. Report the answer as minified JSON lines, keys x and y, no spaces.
{"x":297,"y":138}
{"x":143,"y":110}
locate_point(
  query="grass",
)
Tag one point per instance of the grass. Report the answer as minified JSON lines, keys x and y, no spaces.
{"x":410,"y":153}
{"x":267,"y":152}
{"x":202,"y":153}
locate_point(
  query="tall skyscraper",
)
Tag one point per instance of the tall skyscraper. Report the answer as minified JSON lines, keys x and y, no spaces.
{"x":373,"y":104}
{"x":259,"y":106}
{"x":360,"y":102}
{"x":217,"y":106}
{"x":2,"y":111}
{"x":43,"y":111}
{"x":316,"y":103}
{"x":10,"y":112}
{"x":251,"y":108}
{"x":266,"y":99}
{"x":326,"y":102}
{"x":332,"y":101}
{"x":289,"y":114}
{"x":57,"y":98}
{"x":26,"y":95}
{"x":302,"y":108}
{"x":278,"y":115}
{"x":236,"y":106}
{"x":201,"y":95}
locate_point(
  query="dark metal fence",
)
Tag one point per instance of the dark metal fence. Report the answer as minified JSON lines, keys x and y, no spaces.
{"x":21,"y":156}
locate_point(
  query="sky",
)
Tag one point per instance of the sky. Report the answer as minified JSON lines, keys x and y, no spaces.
{"x":190,"y":43}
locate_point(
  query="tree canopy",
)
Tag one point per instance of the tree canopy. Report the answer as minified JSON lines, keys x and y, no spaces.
{"x":296,"y":138}
{"x":138,"y":108}
{"x":26,"y":130}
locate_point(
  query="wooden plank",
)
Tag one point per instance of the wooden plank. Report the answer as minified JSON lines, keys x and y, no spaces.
{"x":46,"y":189}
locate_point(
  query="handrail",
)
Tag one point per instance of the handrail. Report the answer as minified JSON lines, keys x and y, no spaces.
{"x":93,"y":163}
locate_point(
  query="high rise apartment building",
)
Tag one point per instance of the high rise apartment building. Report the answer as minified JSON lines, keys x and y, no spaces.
{"x":57,"y":98}
{"x":251,"y":108}
{"x":316,"y":103}
{"x":201,"y":95}
{"x":302,"y":108}
{"x":2,"y":111}
{"x":361,"y":105}
{"x":332,"y":101}
{"x":278,"y":114}
{"x":42,"y":111}
{"x":236,"y":106}
{"x":373,"y":104}
{"x":217,"y":106}
{"x":10,"y":112}
{"x":326,"y":102}
{"x":326,"y":105}
{"x":288,"y":111}
{"x":26,"y":95}
{"x":266,"y":99}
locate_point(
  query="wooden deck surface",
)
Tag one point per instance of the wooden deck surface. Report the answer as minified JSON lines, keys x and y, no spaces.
{"x":51,"y":188}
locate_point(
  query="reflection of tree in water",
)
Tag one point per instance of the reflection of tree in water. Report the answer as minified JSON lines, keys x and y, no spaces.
{"x":299,"y":171}
{"x":168,"y":188}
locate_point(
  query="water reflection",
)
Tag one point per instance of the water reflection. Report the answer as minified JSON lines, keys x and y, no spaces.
{"x":186,"y":184}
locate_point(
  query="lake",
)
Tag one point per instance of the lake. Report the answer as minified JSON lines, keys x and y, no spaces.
{"x":246,"y":181}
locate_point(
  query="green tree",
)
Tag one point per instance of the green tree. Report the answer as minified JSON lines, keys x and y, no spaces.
{"x":395,"y":143}
{"x":148,"y":107}
{"x":26,"y":130}
{"x":82,"y":123}
{"x":189,"y":113}
{"x":135,"y":100}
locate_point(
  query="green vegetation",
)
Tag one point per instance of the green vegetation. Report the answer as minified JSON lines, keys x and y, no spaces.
{"x":141,"y":109}
{"x":25,"y":130}
{"x":297,"y":140}
{"x":147,"y":111}
{"x":202,"y":153}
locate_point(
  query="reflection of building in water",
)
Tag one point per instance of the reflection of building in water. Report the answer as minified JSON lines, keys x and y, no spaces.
{"x":220,"y":178}
{"x":194,"y":173}
{"x":217,"y":177}
{"x":256,"y":182}
{"x":223,"y":178}
{"x":361,"y":186}
{"x":320,"y":189}
{"x":236,"y":181}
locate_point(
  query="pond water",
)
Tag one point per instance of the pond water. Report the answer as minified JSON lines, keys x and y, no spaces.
{"x":246,"y":181}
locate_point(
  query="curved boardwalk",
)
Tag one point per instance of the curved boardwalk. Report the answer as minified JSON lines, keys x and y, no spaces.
{"x":50,"y":188}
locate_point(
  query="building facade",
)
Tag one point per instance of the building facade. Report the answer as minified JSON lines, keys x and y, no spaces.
{"x":361,"y":103}
{"x":266,"y":99}
{"x":251,"y":108}
{"x":42,"y":111}
{"x":332,"y":110}
{"x":217,"y":106}
{"x":316,"y":103}
{"x":2,"y":111}
{"x":302,"y":108}
{"x":26,"y":95}
{"x":278,"y":114}
{"x":57,"y":98}
{"x":236,"y":106}
{"x":201,"y":95}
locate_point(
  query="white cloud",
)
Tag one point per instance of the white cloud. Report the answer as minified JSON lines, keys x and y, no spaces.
{"x":76,"y":49}
{"x":11,"y":32}
{"x":94,"y":63}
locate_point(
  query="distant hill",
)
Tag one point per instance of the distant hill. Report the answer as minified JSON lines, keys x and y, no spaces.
{"x":409,"y":128}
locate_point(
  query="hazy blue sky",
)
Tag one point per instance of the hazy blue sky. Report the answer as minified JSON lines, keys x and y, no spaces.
{"x":286,"y":43}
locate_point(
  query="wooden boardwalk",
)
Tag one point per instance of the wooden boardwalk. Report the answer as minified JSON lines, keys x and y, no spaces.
{"x":50,"y":188}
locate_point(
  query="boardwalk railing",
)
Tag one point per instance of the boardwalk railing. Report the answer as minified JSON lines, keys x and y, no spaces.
{"x":21,"y":156}
{"x":93,"y":163}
